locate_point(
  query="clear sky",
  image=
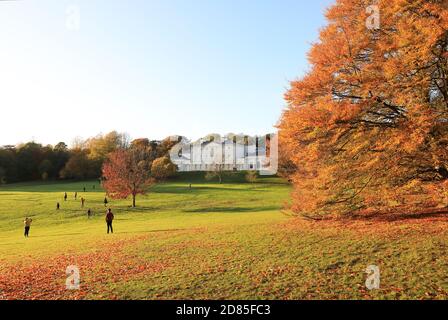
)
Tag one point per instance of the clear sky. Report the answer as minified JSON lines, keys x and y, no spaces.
{"x":151,"y":68}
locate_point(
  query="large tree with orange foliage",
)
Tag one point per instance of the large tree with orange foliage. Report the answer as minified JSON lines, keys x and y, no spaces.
{"x":367,"y":126}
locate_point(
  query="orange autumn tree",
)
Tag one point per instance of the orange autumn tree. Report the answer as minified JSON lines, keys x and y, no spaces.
{"x":367,"y":126}
{"x":127,"y":172}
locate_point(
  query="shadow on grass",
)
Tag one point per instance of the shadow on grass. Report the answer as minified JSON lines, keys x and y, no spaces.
{"x":195,"y":190}
{"x":68,"y":186}
{"x":149,"y":231}
{"x":231,"y":209}
{"x":391,"y":217}
{"x":141,"y":209}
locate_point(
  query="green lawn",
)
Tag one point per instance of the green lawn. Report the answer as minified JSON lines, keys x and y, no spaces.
{"x":227,"y":241}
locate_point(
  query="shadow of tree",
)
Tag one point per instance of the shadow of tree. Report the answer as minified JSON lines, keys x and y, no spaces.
{"x":194,"y":190}
{"x":391,"y":217}
{"x":231,"y":209}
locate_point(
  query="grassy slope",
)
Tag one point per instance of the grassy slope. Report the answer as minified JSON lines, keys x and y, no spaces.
{"x":214,"y":241}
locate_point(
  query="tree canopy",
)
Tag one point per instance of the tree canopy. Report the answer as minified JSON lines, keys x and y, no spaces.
{"x":366,"y":127}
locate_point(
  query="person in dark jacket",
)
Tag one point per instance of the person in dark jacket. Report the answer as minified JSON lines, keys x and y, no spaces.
{"x":27,"y":223}
{"x":109,"y":219}
{"x":105,"y":202}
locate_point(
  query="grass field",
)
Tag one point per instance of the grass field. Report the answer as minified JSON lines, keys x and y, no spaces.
{"x":227,"y":241}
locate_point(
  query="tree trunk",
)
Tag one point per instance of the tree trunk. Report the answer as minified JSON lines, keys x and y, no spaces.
{"x":133,"y":201}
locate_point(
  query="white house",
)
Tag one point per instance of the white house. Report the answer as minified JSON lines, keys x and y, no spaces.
{"x":231,"y":153}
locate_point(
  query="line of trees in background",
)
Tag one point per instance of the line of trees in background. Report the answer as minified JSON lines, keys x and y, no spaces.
{"x":83,"y":160}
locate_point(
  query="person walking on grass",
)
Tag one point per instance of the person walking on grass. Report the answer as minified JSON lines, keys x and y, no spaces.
{"x":109,"y":219}
{"x":84,"y":189}
{"x":58,"y":206}
{"x":105,"y":202}
{"x":27,"y":223}
{"x":89,"y":213}
{"x":82,"y":202}
{"x":65,"y":196}
{"x":76,"y":195}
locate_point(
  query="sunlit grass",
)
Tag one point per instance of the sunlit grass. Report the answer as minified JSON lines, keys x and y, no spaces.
{"x":222,"y":242}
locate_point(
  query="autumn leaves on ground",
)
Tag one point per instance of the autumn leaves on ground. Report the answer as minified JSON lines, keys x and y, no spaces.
{"x":215,"y":241}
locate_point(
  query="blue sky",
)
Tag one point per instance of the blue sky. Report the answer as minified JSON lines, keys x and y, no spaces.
{"x":151,"y":68}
